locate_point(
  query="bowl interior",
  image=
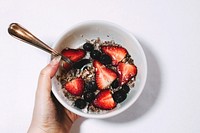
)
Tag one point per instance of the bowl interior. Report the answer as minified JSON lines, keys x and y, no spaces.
{"x":77,"y":36}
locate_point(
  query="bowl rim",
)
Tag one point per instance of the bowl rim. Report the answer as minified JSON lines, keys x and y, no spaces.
{"x":117,"y":111}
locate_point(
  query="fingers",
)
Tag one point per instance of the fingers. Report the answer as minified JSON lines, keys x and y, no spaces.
{"x":50,"y":70}
{"x":71,"y":115}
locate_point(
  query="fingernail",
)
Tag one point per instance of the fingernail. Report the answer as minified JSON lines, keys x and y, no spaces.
{"x":55,"y":60}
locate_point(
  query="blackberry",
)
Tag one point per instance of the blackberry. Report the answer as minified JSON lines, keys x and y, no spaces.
{"x":105,"y":59}
{"x":88,"y":46}
{"x":115,"y":83}
{"x":95,"y":54}
{"x":89,"y":96}
{"x":80,"y":103}
{"x":119,"y":96}
{"x":91,"y":86}
{"x":125,"y":88}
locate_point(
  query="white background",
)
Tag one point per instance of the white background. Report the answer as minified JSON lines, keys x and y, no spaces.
{"x":169,"y":32}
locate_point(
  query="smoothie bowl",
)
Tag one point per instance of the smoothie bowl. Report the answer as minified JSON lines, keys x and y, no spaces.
{"x":109,"y":70}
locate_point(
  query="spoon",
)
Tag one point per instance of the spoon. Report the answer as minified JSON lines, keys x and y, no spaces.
{"x":24,"y":35}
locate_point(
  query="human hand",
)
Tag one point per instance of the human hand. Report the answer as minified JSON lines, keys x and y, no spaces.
{"x":49,"y":116}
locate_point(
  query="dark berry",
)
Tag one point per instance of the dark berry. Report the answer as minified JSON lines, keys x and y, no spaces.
{"x":81,"y":63}
{"x":119,"y":96}
{"x":95,"y":54}
{"x":115,"y":83}
{"x":80,"y":103}
{"x":91,"y":86}
{"x":125,"y":88}
{"x":88,"y":46}
{"x":89,"y":96}
{"x":105,"y":59}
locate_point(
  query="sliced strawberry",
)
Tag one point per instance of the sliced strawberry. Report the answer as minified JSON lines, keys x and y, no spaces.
{"x":104,"y":100}
{"x":103,"y":76}
{"x":126,"y":72}
{"x":117,"y":53}
{"x":74,"y":55}
{"x":75,"y":86}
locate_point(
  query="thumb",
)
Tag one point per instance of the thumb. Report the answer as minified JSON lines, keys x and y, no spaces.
{"x":43,"y":92}
{"x":44,"y":82}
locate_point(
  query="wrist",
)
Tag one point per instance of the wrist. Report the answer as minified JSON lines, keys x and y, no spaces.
{"x":33,"y":129}
{"x":38,"y":129}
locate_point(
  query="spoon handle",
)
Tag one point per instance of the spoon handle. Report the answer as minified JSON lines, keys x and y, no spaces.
{"x":24,"y":35}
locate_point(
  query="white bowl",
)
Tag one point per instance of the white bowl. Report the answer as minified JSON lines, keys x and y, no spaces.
{"x":106,"y":31}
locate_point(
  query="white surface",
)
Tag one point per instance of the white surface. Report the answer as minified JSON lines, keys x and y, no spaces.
{"x":168,"y":31}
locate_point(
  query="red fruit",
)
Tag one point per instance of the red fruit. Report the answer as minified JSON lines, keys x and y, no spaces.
{"x":117,"y":53}
{"x":104,"y":100}
{"x":126,"y":72}
{"x":73,"y":54}
{"x":75,"y":86}
{"x":104,"y":76}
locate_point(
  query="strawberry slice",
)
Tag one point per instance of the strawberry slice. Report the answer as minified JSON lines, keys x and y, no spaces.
{"x":74,"y":55}
{"x":117,"y":53}
{"x":104,"y":76}
{"x":75,"y":86}
{"x":126,"y":72}
{"x":104,"y":100}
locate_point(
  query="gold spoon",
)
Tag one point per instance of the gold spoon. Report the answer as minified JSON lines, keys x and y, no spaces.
{"x":24,"y":35}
